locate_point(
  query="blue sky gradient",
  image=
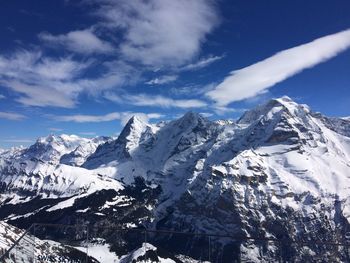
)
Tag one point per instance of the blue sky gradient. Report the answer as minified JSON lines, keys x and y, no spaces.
{"x":84,"y":67}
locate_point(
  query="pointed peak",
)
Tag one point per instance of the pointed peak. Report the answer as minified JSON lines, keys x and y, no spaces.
{"x":136,"y":118}
{"x":136,"y":124}
{"x":135,"y":121}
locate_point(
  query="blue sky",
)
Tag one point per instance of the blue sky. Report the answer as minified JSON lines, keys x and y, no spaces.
{"x":84,"y":67}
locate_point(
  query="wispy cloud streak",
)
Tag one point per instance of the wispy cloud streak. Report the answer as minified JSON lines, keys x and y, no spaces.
{"x":162,"y":80}
{"x":202,"y":63}
{"x":122,"y":116}
{"x":80,"y":41}
{"x":11,"y":116}
{"x":257,"y":78}
{"x":156,"y":101}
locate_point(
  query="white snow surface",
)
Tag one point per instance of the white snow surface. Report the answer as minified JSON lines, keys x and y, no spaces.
{"x":135,"y":255}
{"x":100,"y":251}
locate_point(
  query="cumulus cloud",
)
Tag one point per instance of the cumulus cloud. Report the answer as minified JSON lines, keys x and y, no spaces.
{"x":80,"y":41}
{"x":257,"y":78}
{"x":122,"y":116}
{"x":162,"y":80}
{"x":11,"y":116}
{"x":156,"y":101}
{"x":153,"y":35}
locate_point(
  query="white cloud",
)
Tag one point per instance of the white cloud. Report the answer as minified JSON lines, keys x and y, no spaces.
{"x":18,"y":140}
{"x":257,"y":78}
{"x":148,"y":33}
{"x":53,"y":129}
{"x":145,"y":116}
{"x":42,"y":81}
{"x":34,"y":95}
{"x":145,"y":32}
{"x":80,"y":41}
{"x":192,"y":90}
{"x":2,"y":96}
{"x":89,"y":118}
{"x":155,"y":115}
{"x":206,"y":114}
{"x":58,"y":69}
{"x":88,"y":133}
{"x":162,"y":80}
{"x":122,"y":116}
{"x":11,"y":116}
{"x":32,"y":66}
{"x":202,"y":63}
{"x":156,"y":101}
{"x":153,"y":35}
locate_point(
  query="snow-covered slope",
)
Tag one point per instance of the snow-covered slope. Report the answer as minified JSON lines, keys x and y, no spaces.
{"x":85,"y":148}
{"x":280,"y":171}
{"x":38,"y":170}
{"x":51,"y":148}
{"x":135,"y":132}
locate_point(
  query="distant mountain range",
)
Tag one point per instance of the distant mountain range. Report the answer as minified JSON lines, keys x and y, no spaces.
{"x":281,"y":171}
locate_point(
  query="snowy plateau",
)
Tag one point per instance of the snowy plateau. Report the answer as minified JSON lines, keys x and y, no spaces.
{"x":280,"y":172}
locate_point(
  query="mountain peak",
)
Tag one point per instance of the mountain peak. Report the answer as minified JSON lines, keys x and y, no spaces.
{"x":190,"y":119}
{"x":273,"y":106}
{"x":54,"y":146}
{"x":191,"y":115}
{"x":136,"y":119}
{"x":284,"y":98}
{"x":135,"y":125}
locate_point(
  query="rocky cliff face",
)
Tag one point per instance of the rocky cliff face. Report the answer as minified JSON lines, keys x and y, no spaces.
{"x":281,"y":171}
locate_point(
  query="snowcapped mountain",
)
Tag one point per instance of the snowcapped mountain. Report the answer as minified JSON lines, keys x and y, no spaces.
{"x":281,"y":171}
{"x":39,"y":171}
{"x":53,"y":147}
{"x":85,"y":148}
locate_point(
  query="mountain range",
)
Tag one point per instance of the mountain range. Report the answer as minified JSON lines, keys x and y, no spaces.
{"x":281,"y":171}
